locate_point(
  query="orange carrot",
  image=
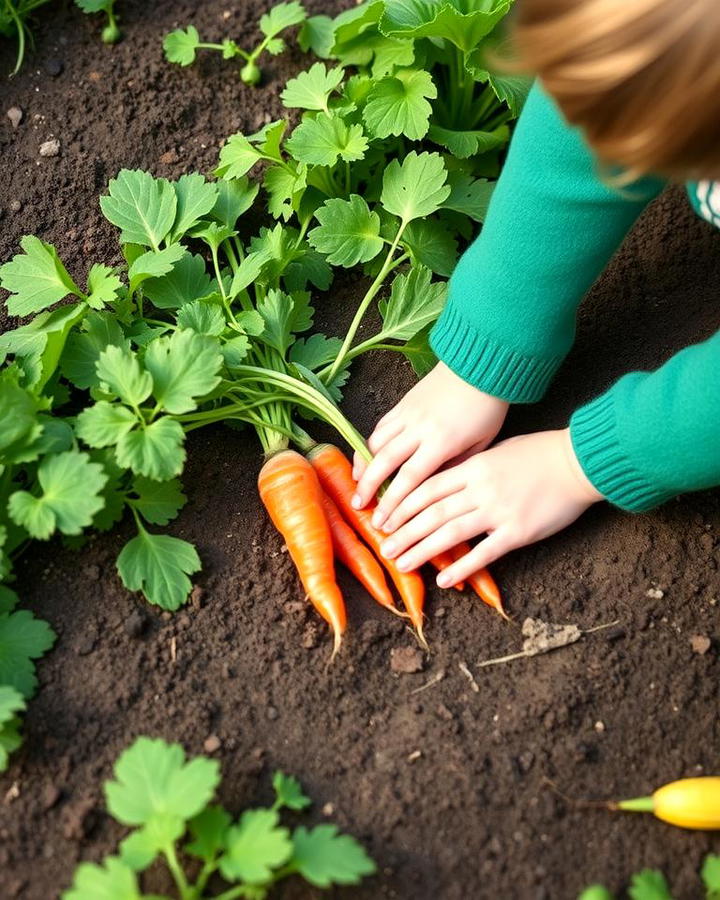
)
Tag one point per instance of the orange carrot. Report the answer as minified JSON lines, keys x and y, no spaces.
{"x":291,"y":494}
{"x":335,"y":473}
{"x":442,"y":561}
{"x":482,"y":582}
{"x":351,"y":551}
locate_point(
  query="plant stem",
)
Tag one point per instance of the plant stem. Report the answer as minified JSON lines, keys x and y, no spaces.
{"x":176,"y":871}
{"x":373,"y":291}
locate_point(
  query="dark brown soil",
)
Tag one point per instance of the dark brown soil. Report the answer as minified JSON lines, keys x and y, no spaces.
{"x":470,"y":817}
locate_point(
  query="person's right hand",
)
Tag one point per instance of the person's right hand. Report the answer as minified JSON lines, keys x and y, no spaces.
{"x":440,"y":419}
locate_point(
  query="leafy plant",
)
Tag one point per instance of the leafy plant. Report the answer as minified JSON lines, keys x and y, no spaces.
{"x":182,"y":44}
{"x":23,"y":639}
{"x":650,"y":884}
{"x":14,"y":15}
{"x":163,"y":797}
{"x":111,"y":33}
{"x":423,"y":73}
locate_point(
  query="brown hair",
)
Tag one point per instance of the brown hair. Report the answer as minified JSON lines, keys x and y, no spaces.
{"x":640,"y":77}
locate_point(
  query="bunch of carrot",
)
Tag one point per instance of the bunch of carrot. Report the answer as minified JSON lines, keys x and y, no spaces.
{"x":309,"y":502}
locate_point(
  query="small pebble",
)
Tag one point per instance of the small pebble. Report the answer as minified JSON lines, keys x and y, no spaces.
{"x":15,"y":206}
{"x":700,"y":644}
{"x":53,"y":67}
{"x":169,"y":157}
{"x":654,"y":593}
{"x":212,"y":744}
{"x":406,"y":660}
{"x":599,"y":727}
{"x":328,"y":810}
{"x":50,"y":148}
{"x":15,"y":114}
{"x":272,"y":713}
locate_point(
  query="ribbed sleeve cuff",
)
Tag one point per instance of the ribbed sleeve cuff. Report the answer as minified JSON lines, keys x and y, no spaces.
{"x":594,"y":435}
{"x":489,"y":366}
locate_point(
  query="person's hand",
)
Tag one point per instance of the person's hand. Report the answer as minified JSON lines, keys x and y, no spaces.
{"x":520,"y":491}
{"x":441,"y":418}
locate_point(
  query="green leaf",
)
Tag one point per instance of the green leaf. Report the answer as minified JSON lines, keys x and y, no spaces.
{"x":36,"y":278}
{"x":181,"y":45}
{"x":398,"y":105}
{"x":143,"y":207}
{"x":112,"y":880}
{"x":183,"y":367}
{"x":469,"y":196}
{"x":596,"y":892}
{"x":155,"y":450}
{"x":103,"y":286}
{"x":282,"y":16}
{"x":120,"y":373}
{"x":8,"y":598}
{"x":237,"y":157}
{"x":462,"y":22}
{"x":464,"y":144}
{"x":416,"y":187}
{"x":414,"y":303}
{"x":141,"y":848}
{"x":251,"y":322}
{"x":248,"y":271}
{"x":323,"y":857}
{"x":71,"y":486}
{"x":153,"y":778}
{"x":419,"y":354}
{"x":288,"y":792}
{"x":349,"y":233}
{"x":18,"y":414}
{"x":208,"y":829}
{"x":285,"y":189}
{"x":255,"y":847}
{"x":202,"y":317}
{"x":650,"y":884}
{"x":431,"y":245}
{"x":158,"y":502}
{"x":307,"y":266}
{"x":711,"y":875}
{"x":318,"y":35}
{"x":159,"y":565}
{"x":324,"y":140}
{"x":235,"y":351}
{"x":277,"y":311}
{"x":312,"y":89}
{"x":269,"y":139}
{"x":104,"y":424}
{"x":154,"y":264}
{"x":212,"y":233}
{"x":23,"y":638}
{"x":195,"y":198}
{"x":234,"y":198}
{"x":82,"y":350}
{"x":93,"y":6}
{"x":510,"y":89}
{"x":187,"y":281}
{"x":315,"y":352}
{"x":11,"y":703}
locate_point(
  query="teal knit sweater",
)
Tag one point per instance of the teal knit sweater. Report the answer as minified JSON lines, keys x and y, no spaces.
{"x":510,"y":317}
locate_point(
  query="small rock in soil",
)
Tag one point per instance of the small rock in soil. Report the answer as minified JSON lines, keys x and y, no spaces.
{"x":212,"y":744}
{"x":51,"y":795}
{"x":15,"y":206}
{"x":169,"y":157}
{"x":53,"y":67}
{"x":615,"y":633}
{"x":196,"y":597}
{"x":135,"y":624}
{"x":525,"y":761}
{"x":92,"y":572}
{"x":328,"y":810}
{"x":272,"y":713}
{"x":543,"y":636}
{"x":444,"y":713}
{"x":406,"y":660}
{"x":439,"y":612}
{"x":700,"y":644}
{"x":654,"y":593}
{"x":15,"y":114}
{"x":50,"y":148}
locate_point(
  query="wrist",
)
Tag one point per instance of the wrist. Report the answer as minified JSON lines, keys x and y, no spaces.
{"x":586,"y":490}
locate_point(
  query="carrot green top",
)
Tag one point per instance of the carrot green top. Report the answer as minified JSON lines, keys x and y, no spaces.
{"x":510,"y":318}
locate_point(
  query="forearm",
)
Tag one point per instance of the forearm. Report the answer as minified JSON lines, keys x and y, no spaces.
{"x":551,"y":229}
{"x":655,"y":435}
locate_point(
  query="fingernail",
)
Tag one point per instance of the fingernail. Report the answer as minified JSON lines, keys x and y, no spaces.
{"x":378,"y":518}
{"x":356,"y":501}
{"x":387,"y":549}
{"x":387,"y":527}
{"x":403,"y":564}
{"x":443,"y":581}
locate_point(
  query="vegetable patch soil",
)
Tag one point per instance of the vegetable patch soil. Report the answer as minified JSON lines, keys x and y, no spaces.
{"x":445,"y":786}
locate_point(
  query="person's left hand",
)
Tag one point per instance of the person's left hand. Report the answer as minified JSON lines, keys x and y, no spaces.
{"x":518,"y":492}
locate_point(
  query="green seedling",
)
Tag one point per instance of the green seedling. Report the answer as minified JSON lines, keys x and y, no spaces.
{"x":111,"y":33}
{"x":651,"y":884}
{"x":14,"y":15}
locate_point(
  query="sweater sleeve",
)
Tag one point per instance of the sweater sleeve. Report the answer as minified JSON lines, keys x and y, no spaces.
{"x":654,"y":435}
{"x":551,"y":228}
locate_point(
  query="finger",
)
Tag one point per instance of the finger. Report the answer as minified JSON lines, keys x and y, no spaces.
{"x":445,"y":538}
{"x":392,"y":456}
{"x":495,"y":545}
{"x":419,"y":467}
{"x":466,"y":454}
{"x":383,"y":434}
{"x":359,"y":466}
{"x":441,"y":485}
{"x":389,"y":416}
{"x":429,"y":521}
